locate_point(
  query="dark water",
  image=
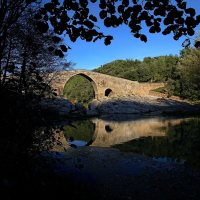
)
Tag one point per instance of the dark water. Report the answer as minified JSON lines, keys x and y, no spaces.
{"x":165,"y":139}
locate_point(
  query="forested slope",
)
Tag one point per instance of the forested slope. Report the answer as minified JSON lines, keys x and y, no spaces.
{"x":155,"y":69}
{"x":182,"y":73}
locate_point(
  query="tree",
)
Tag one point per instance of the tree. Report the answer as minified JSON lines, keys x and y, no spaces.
{"x":185,"y":51}
{"x":197,"y":36}
{"x":144,"y":73}
{"x":190,"y":75}
{"x":26,"y":55}
{"x":10,"y":11}
{"x":177,"y":18}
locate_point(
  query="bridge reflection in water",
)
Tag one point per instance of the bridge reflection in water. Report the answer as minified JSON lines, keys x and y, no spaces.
{"x":110,"y":132}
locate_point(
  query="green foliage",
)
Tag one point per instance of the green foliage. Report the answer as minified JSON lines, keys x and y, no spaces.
{"x":79,"y":89}
{"x":181,"y":73}
{"x":156,"y":69}
{"x":81,"y":24}
{"x":161,"y":89}
{"x":185,"y":82}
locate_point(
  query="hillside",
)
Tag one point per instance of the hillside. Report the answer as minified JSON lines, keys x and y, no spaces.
{"x":157,"y":69}
{"x":182,"y":73}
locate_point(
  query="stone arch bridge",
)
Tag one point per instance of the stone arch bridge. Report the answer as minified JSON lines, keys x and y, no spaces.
{"x":104,"y":85}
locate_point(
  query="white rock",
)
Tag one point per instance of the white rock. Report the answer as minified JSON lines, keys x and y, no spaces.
{"x":94,"y":105}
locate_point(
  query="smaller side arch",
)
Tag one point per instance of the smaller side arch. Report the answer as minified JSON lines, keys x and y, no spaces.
{"x":109,"y":92}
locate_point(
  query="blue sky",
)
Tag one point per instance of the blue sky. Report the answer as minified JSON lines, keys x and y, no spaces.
{"x":89,"y":55}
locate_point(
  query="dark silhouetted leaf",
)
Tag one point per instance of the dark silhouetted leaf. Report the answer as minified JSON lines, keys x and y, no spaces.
{"x":120,"y":9}
{"x":108,"y":22}
{"x":143,"y":38}
{"x":190,"y":31}
{"x":197,"y":44}
{"x":56,"y":39}
{"x":125,"y":3}
{"x":137,"y":35}
{"x":93,"y":18}
{"x":59,"y":53}
{"x":89,"y":24}
{"x":103,"y":14}
{"x":107,"y":41}
{"x":43,"y":26}
{"x":186,"y":43}
{"x":191,"y":11}
{"x":50,"y":48}
{"x":83,"y":3}
{"x":63,"y":47}
{"x":152,"y":29}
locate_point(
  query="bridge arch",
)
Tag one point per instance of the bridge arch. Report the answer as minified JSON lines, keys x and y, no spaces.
{"x":109,"y":92}
{"x":88,"y":78}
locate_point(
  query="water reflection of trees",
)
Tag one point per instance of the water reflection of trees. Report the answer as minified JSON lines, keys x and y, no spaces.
{"x":84,"y":130}
{"x":182,"y":142}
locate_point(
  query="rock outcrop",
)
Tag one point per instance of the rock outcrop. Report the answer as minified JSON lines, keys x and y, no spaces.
{"x":136,"y":104}
{"x":64,"y":106}
{"x":127,"y":104}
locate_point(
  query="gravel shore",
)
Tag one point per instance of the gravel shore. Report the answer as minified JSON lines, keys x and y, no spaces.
{"x":111,"y":174}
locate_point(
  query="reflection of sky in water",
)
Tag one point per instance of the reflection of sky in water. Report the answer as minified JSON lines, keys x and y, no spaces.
{"x":168,"y":160}
{"x":78,"y":143}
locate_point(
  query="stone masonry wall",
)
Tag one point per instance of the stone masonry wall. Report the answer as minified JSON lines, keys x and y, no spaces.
{"x":103,"y":82}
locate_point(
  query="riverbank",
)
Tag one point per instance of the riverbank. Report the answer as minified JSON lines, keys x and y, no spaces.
{"x":140,"y":104}
{"x":112,"y":174}
{"x":108,"y":173}
{"x":91,"y":172}
{"x":124,"y":104}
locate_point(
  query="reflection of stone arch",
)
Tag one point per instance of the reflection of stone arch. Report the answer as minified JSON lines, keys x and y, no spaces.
{"x":95,"y":135}
{"x":108,"y":92}
{"x":88,"y":78}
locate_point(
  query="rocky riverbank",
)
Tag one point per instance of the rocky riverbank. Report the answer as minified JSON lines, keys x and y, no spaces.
{"x":111,"y":174}
{"x":124,"y":104}
{"x":64,"y":107}
{"x":138,"y":104}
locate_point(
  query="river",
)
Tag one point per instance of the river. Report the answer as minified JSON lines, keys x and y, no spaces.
{"x":163,"y":138}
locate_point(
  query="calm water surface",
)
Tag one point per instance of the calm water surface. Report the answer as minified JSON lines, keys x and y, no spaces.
{"x":166,"y":139}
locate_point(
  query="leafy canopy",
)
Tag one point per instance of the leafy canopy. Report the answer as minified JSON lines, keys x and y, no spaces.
{"x":73,"y":18}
